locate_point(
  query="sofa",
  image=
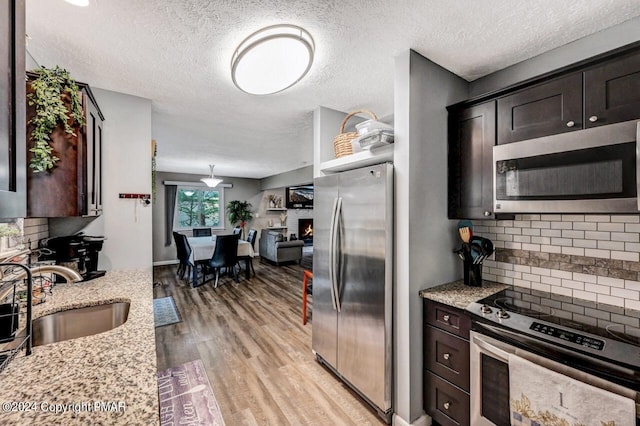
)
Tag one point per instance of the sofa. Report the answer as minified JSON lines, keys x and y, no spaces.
{"x":273,"y":247}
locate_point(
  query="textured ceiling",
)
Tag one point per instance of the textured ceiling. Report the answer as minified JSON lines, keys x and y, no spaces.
{"x":177,"y":53}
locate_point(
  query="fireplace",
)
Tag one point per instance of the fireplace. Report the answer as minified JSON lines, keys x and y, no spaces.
{"x":305,"y":231}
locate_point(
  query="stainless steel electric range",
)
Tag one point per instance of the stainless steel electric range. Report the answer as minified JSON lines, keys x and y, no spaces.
{"x":594,"y":343}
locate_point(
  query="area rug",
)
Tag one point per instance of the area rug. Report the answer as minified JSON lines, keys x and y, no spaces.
{"x":186,"y":396}
{"x":165,"y":311}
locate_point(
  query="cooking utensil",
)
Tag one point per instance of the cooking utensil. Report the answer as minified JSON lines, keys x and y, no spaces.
{"x":485,"y":244}
{"x":465,"y":224}
{"x":465,"y":234}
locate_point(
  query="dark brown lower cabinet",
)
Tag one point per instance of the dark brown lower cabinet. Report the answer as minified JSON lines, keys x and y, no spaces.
{"x":446,"y":364}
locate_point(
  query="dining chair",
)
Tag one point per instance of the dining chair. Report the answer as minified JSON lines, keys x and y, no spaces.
{"x":225,"y":255}
{"x":306,"y":290}
{"x":236,"y":231}
{"x":251,"y":239}
{"x":183,"y":250}
{"x":201,"y":232}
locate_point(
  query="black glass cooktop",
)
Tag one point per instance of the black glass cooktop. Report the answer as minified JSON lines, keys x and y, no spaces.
{"x":570,"y":314}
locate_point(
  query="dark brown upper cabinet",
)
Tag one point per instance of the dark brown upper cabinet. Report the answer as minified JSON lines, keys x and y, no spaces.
{"x":73,"y":186}
{"x":472,"y":135}
{"x":612,"y":91}
{"x":548,"y":108}
{"x":12,"y":109}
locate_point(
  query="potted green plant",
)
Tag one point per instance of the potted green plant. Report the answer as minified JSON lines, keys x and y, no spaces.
{"x":239,"y":213}
{"x":6,"y":232}
{"x":56,"y":99}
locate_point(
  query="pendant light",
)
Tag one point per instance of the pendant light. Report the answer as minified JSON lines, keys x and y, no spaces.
{"x":211,"y":181}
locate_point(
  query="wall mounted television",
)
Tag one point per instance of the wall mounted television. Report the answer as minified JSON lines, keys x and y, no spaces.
{"x":299,"y":197}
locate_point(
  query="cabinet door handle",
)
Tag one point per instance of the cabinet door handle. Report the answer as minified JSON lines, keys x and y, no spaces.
{"x":446,"y":405}
{"x":593,"y":118}
{"x":445,"y":318}
{"x":571,"y":123}
{"x":446,"y":355}
{"x":487,"y":213}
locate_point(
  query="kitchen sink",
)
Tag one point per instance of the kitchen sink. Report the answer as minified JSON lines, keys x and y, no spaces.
{"x":79,"y":322}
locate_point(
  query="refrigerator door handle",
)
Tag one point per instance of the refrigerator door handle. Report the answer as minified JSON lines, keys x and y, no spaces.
{"x":332,"y":237}
{"x":335,"y":253}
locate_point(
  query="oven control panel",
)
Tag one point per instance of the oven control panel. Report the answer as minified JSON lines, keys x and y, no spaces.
{"x":569,"y":336}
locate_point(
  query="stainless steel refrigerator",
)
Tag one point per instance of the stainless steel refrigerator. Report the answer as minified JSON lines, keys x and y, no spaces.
{"x":353,"y":280}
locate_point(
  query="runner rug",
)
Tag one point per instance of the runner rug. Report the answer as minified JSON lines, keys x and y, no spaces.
{"x":186,"y":396}
{"x":165,"y":311}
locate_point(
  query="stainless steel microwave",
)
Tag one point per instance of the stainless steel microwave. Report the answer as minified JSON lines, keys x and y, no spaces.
{"x":594,"y":170}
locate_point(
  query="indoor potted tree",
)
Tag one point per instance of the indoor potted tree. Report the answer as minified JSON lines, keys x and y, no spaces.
{"x":239,"y":213}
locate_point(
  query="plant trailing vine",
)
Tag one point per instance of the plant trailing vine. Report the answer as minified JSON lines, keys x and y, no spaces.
{"x":49,"y":91}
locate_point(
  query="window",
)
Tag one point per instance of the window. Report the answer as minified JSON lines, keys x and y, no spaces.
{"x":199,"y":207}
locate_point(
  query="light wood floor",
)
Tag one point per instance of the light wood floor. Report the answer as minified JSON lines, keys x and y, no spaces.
{"x":257,"y":352}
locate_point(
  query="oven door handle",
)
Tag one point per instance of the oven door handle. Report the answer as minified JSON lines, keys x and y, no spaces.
{"x":501,"y":353}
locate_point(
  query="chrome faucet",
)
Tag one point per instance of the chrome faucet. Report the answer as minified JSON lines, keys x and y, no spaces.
{"x":68,"y":274}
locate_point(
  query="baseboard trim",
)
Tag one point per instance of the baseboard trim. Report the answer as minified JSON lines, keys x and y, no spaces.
{"x":165,"y":262}
{"x":423,"y":420}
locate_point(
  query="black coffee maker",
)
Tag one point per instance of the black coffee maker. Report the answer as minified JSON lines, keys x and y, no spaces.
{"x":79,"y":252}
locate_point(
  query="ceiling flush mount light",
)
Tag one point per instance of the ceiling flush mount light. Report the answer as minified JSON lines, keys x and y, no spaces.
{"x":81,"y":3}
{"x":272,"y":59}
{"x":211,"y":181}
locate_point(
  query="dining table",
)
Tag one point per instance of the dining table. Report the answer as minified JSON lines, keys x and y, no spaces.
{"x":202,"y":249}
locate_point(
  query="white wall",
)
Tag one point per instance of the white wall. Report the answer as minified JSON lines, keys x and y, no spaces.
{"x":424,"y":236}
{"x":126,"y":159}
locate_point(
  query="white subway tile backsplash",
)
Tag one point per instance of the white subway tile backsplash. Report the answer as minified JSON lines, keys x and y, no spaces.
{"x":625,"y":294}
{"x":632,"y":227}
{"x":585,"y":226}
{"x":624,"y":255}
{"x":626,"y":219}
{"x":522,"y":223}
{"x":521,"y":239}
{"x":611,"y":245}
{"x":597,"y":235}
{"x":561,"y":274}
{"x":632,"y":304}
{"x":577,"y":285}
{"x":540,"y":287}
{"x":585,"y":295}
{"x":569,"y":233}
{"x":577,"y":276}
{"x":574,"y":239}
{"x":611,"y":282}
{"x":603,"y":254}
{"x":585,"y":243}
{"x":574,"y":251}
{"x":597,"y":218}
{"x":599,"y":289}
{"x":610,"y":300}
{"x":561,"y":290}
{"x":551,"y":281}
{"x":540,"y":224}
{"x":615,"y":227}
{"x":632,"y":285}
{"x":632,"y":247}
{"x":531,"y":247}
{"x":540,"y":271}
{"x":550,"y":249}
{"x":522,"y":283}
{"x":567,"y":242}
{"x":573,"y":218}
{"x":631,"y":237}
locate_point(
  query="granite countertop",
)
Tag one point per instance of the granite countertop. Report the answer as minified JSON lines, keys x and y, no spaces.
{"x":459,"y":295}
{"x":116,"y":368}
